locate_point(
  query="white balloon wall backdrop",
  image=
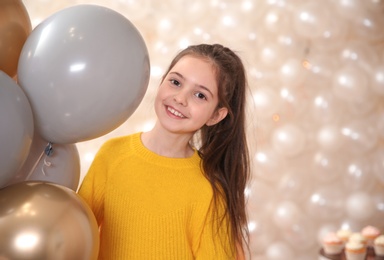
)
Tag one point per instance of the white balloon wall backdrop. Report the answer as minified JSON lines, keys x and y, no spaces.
{"x":316,"y":113}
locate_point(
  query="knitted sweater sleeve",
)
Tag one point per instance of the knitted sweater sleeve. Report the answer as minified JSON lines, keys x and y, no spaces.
{"x":93,"y":186}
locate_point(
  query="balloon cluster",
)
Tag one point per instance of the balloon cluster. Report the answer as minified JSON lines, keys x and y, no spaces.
{"x":68,"y":80}
{"x":317,"y":116}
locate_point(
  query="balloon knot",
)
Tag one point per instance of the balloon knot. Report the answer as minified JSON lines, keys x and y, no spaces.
{"x":49,"y":149}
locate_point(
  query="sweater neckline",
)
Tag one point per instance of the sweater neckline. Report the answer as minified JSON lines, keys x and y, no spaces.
{"x":151,"y":156}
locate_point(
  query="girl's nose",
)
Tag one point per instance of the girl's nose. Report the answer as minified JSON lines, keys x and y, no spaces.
{"x":181,"y":98}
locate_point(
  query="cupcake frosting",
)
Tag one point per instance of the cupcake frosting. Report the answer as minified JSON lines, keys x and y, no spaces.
{"x":357,"y":237}
{"x":344,"y":234}
{"x":379,"y":240}
{"x":370,"y":231}
{"x":332,"y":238}
{"x":355,"y":246}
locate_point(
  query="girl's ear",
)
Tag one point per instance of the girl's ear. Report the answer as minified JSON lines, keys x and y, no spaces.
{"x":217,"y":116}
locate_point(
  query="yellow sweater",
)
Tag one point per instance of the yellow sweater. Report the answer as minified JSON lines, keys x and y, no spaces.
{"x":151,"y":207}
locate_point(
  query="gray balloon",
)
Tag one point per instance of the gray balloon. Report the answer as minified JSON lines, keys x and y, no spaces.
{"x":16,"y":128}
{"x":60,"y":164}
{"x":42,"y":221}
{"x":85,"y":70}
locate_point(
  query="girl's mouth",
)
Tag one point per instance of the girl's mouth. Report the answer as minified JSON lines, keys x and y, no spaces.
{"x":175,"y":112}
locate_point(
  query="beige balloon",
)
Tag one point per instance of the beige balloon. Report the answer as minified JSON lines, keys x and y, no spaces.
{"x":40,"y":220}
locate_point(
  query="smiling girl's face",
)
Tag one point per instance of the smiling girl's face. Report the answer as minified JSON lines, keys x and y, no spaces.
{"x":187,"y":98}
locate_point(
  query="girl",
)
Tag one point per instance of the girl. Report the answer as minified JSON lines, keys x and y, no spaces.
{"x":177,"y":191}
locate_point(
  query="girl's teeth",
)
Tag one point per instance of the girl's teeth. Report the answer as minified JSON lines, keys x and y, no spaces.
{"x":175,"y":112}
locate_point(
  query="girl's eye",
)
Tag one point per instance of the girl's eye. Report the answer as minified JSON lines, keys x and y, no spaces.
{"x":200,"y":96}
{"x":175,"y":82}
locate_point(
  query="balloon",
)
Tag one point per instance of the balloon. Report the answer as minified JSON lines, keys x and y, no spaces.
{"x":297,"y":235}
{"x":311,"y":19}
{"x":60,"y":165}
{"x":360,"y":206}
{"x":289,"y":140}
{"x":324,"y":108}
{"x":262,"y":232}
{"x":378,"y":80}
{"x":16,"y":128}
{"x":286,"y":214}
{"x":46,"y":221}
{"x":295,"y":185}
{"x":83,"y":77}
{"x":358,"y":175}
{"x":360,"y":136}
{"x":292,"y":72}
{"x":329,"y":138}
{"x":266,"y":102}
{"x":325,"y":203}
{"x":279,"y":250}
{"x":350,"y":83}
{"x":377,"y":162}
{"x":328,"y":166}
{"x":15,"y":26}
{"x":268,"y":164}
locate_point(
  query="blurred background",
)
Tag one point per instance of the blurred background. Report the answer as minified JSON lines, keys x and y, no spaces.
{"x":315,"y":112}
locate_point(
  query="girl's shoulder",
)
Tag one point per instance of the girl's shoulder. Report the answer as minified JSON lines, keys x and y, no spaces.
{"x":119,"y":143}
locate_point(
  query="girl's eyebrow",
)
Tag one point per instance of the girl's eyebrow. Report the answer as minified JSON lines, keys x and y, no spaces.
{"x":200,"y":86}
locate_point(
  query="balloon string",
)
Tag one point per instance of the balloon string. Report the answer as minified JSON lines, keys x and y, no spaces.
{"x":46,"y":163}
{"x":34,"y":166}
{"x":47,"y":152}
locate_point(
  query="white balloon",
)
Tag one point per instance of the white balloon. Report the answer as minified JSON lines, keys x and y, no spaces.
{"x":267,"y":102}
{"x":292,"y":72}
{"x":359,"y":53}
{"x":329,"y":138}
{"x":324,"y":108}
{"x":268,"y":164}
{"x":295,"y":185}
{"x":358,"y":175}
{"x":289,"y":140}
{"x":260,"y":197}
{"x":369,"y":25}
{"x":326,"y":203}
{"x":378,"y":80}
{"x":279,"y":250}
{"x":378,"y":200}
{"x":168,"y":24}
{"x":360,"y":136}
{"x":377,"y":162}
{"x":297,"y":234}
{"x":359,"y":206}
{"x":327,"y":166}
{"x":294,"y":102}
{"x":333,"y":37}
{"x":310,"y":19}
{"x":348,"y":8}
{"x":286,"y":214}
{"x":262,"y":233}
{"x":380,"y":124}
{"x":276,"y":20}
{"x":270,"y":55}
{"x":350,"y":83}
{"x":321,"y":67}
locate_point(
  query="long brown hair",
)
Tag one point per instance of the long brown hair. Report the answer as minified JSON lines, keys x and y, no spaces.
{"x":224,"y":151}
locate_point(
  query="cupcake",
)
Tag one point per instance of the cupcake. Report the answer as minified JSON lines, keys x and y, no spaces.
{"x":378,"y":245}
{"x":357,"y":237}
{"x":370,"y":233}
{"x":344,"y":234}
{"x":332,"y":244}
{"x":355,"y":251}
